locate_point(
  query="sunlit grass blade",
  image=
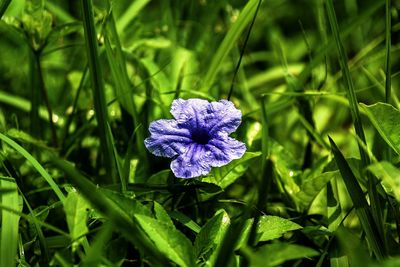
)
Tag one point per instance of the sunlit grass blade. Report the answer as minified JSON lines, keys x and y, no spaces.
{"x":229,"y":41}
{"x":111,"y":210}
{"x":36,"y":165}
{"x":360,"y":204}
{"x":98,"y":88}
{"x":9,"y":224}
{"x":130,"y":13}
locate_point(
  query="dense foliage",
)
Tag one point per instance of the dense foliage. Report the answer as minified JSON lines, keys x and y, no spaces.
{"x":316,"y":83}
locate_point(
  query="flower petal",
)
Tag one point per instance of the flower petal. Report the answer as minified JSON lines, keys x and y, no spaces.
{"x":223,"y":150}
{"x":167,"y":138}
{"x":190,"y":113}
{"x":193,"y":163}
{"x":224,"y":117}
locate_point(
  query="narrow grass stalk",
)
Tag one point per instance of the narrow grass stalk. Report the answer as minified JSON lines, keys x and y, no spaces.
{"x":368,"y":223}
{"x":388,"y":72}
{"x":98,"y":87}
{"x":35,"y":95}
{"x":242,"y":50}
{"x":43,"y":92}
{"x":351,"y":95}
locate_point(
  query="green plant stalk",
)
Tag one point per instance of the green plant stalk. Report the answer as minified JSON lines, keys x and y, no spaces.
{"x":388,"y":65}
{"x":388,"y":81}
{"x":35,"y":94}
{"x":98,"y":87}
{"x":351,"y":95}
{"x":43,"y":92}
{"x":243,"y":49}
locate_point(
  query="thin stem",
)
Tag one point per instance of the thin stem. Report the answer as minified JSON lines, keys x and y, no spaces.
{"x":242,"y":51}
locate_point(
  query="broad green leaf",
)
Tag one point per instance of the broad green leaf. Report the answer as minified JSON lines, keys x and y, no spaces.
{"x":75,"y":207}
{"x":311,"y":187}
{"x":285,"y":166}
{"x":269,"y":228}
{"x":277,"y":253}
{"x":169,"y":241}
{"x":226,"y":175}
{"x":389,"y":175}
{"x":9,"y":223}
{"x":272,"y":227}
{"x":185,"y":220}
{"x":162,"y":215}
{"x":210,"y":238}
{"x":127,"y":203}
{"x":386,"y":120}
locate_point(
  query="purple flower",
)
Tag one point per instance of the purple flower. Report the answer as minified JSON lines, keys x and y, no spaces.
{"x":198,"y":138}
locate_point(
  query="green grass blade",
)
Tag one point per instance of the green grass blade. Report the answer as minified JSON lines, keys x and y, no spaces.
{"x":351,"y":95}
{"x":229,"y":41}
{"x":388,"y":30}
{"x":3,"y":7}
{"x":9,"y":224}
{"x":123,"y":88}
{"x":130,"y":13}
{"x":98,"y":87}
{"x":36,"y":165}
{"x":360,"y":204}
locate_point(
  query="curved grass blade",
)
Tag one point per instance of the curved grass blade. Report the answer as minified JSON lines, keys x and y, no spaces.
{"x":360,"y":204}
{"x":36,"y":165}
{"x":9,"y":224}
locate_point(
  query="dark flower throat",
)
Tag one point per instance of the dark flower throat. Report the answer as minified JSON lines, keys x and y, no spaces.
{"x":200,"y":136}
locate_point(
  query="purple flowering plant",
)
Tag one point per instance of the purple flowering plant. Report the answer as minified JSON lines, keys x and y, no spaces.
{"x":198,"y":137}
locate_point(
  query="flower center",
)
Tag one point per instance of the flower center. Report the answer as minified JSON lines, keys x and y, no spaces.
{"x":200,"y":136}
